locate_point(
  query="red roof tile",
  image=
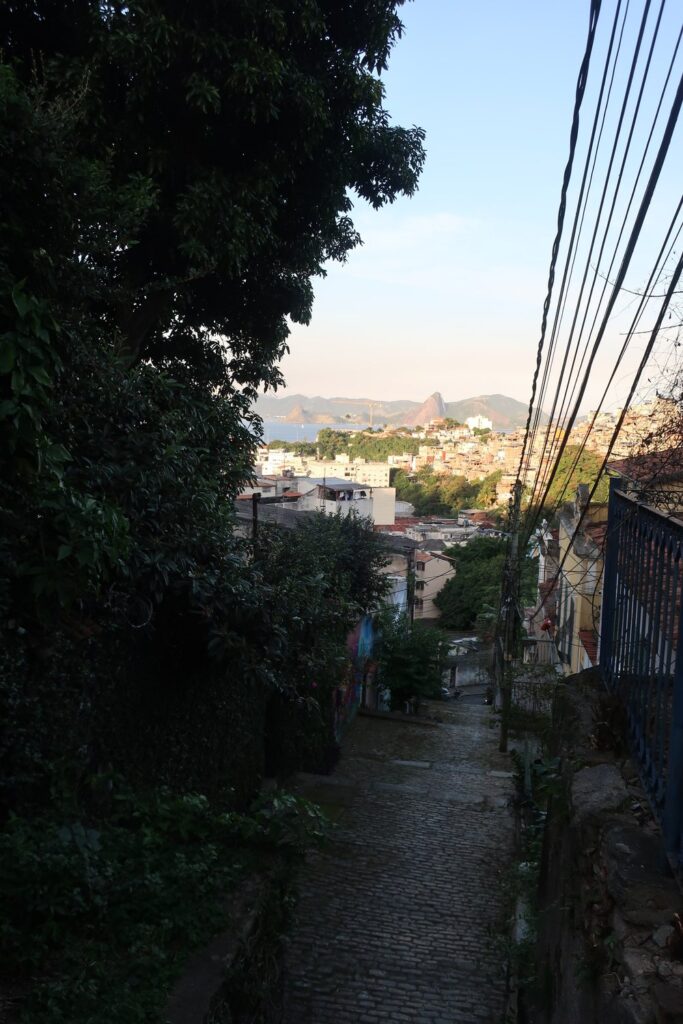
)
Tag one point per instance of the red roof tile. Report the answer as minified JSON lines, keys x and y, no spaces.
{"x":597,"y":532}
{"x":589,"y":641}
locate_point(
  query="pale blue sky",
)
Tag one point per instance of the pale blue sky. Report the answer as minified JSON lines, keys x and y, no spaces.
{"x":446,"y":293}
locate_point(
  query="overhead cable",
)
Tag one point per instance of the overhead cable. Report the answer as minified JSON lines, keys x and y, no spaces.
{"x":625,"y":262}
{"x":568,"y":394}
{"x":580,"y":90}
{"x":577,"y":227}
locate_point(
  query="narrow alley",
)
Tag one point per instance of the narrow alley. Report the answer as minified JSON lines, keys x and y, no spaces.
{"x":398,"y":919}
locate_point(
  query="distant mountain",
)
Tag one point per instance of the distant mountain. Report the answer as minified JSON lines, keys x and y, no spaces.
{"x":358,"y":410}
{"x":505,"y":413}
{"x":432,"y":408}
{"x":300,"y":415}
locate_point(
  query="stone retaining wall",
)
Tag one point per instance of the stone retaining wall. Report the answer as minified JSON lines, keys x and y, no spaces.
{"x":610,"y":950}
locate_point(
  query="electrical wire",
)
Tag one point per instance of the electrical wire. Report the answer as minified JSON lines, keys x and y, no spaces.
{"x":655,"y":330}
{"x":659,"y":268}
{"x":568,"y":396}
{"x":558,"y":418}
{"x":572,"y":249}
{"x":580,"y":90}
{"x":625,"y":263}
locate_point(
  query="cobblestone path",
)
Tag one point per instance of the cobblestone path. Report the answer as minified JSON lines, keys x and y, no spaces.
{"x":394,"y":914}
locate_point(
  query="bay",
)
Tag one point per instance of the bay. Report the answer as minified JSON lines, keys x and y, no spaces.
{"x":279,"y":430}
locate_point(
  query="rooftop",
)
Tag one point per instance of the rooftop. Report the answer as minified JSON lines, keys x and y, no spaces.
{"x":589,"y":641}
{"x":651,"y":467}
{"x":335,"y":483}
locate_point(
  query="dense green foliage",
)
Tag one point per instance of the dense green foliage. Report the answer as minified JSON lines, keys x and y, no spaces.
{"x":219,"y":142}
{"x":236,"y":695}
{"x":362,"y":444}
{"x":574,"y":468}
{"x":119,"y":902}
{"x":181,"y":225}
{"x":164,"y":205}
{"x":184,"y":703}
{"x":411,"y":658}
{"x":321,"y":580}
{"x":172,"y":177}
{"x":474,"y":591}
{"x":437,"y":495}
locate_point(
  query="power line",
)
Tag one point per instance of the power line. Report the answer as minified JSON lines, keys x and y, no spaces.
{"x":626,"y":259}
{"x":568,"y":396}
{"x":572,"y":250}
{"x":580,"y":90}
{"x":603,"y":197}
{"x":655,"y":330}
{"x":662,"y":258}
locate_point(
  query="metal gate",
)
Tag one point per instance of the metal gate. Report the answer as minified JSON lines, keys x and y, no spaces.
{"x":640,"y":657}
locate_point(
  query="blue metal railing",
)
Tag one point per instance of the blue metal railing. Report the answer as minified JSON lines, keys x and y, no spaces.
{"x":641,"y":658}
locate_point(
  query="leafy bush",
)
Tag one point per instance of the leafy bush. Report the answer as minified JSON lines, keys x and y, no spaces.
{"x":574,"y":468}
{"x":106,"y":910}
{"x":473,"y":594}
{"x":411,"y":658}
{"x":159,"y":228}
{"x":444,"y":495}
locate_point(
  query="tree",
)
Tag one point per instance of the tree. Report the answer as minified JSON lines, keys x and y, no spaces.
{"x":411,"y":658}
{"x":171,"y":181}
{"x":474,"y":591}
{"x":172,"y":177}
{"x":576,"y":467}
{"x":476,"y":584}
{"x":486,"y":496}
{"x":240,"y":128}
{"x":442,"y":495}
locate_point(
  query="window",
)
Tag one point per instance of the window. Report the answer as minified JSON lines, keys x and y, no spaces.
{"x":420,"y":585}
{"x":418,"y":602}
{"x":420,"y":566}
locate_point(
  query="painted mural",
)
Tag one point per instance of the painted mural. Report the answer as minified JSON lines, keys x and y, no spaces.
{"x":360,"y":674}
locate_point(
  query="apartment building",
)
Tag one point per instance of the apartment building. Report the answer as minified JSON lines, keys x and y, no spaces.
{"x":432,"y":572}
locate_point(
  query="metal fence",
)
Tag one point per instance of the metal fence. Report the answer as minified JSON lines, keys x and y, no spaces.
{"x":640,"y":658}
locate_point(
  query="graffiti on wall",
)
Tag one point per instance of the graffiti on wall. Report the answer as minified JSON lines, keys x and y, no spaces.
{"x":360,"y":672}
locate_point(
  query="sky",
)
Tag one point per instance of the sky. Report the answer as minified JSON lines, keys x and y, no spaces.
{"x":446,"y":292}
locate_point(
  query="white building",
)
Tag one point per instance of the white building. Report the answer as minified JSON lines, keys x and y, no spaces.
{"x":372,"y":474}
{"x":337,"y":494}
{"x":479,"y":423}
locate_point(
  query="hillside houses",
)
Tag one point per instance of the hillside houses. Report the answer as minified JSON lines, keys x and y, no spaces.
{"x":474,"y":451}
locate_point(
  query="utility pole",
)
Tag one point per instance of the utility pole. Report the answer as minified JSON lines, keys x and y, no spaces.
{"x":255,"y":498}
{"x":410,"y":584}
{"x":509,"y":616}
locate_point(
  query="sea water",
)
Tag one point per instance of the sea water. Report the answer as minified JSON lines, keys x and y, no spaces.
{"x":279,"y":430}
